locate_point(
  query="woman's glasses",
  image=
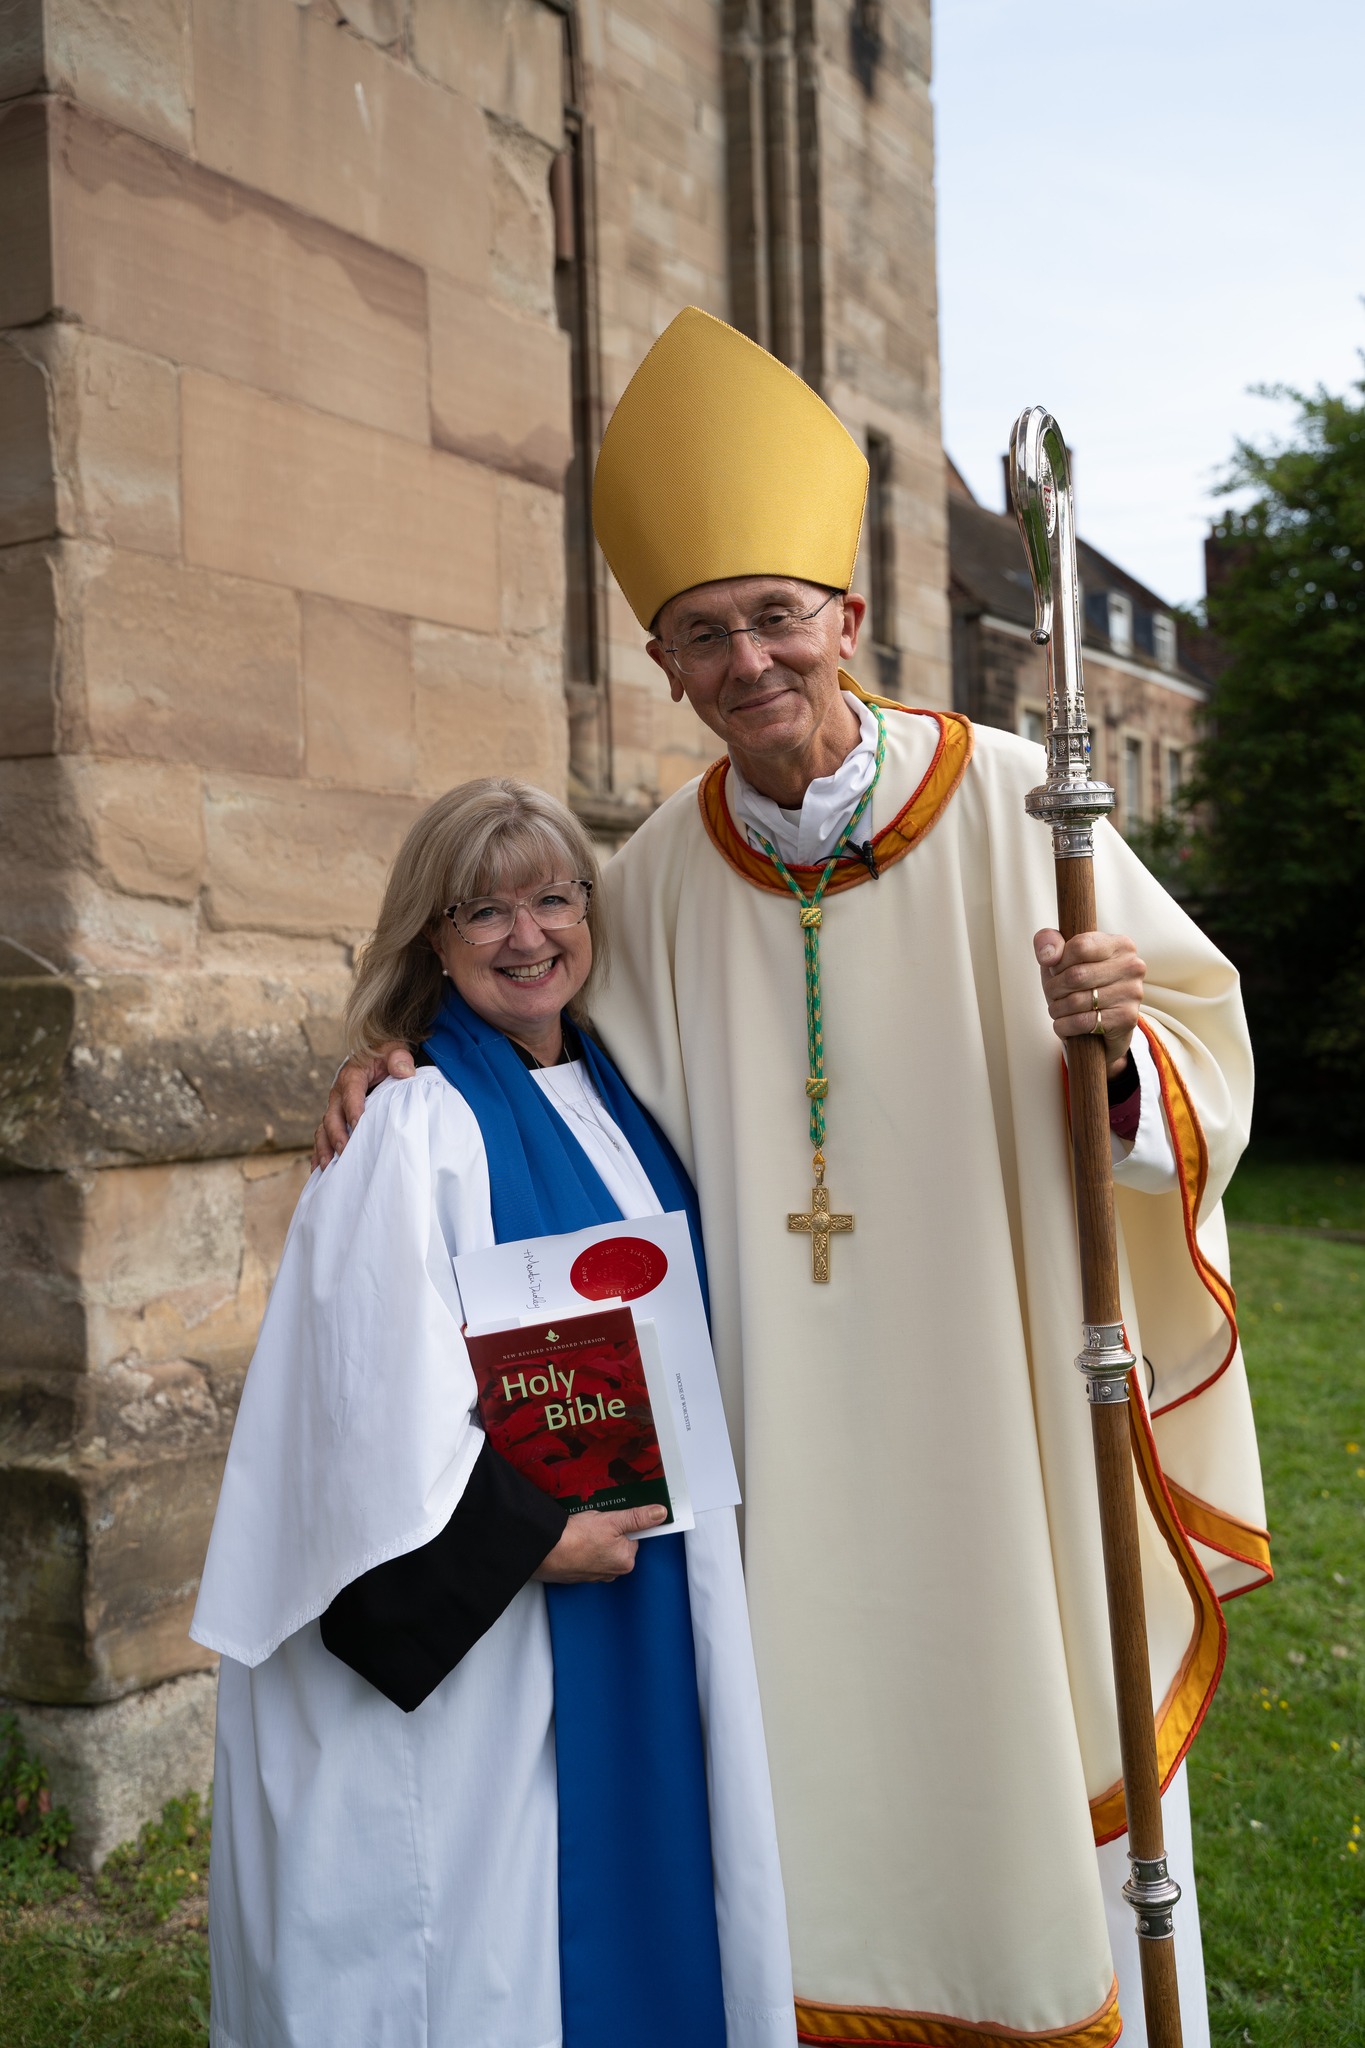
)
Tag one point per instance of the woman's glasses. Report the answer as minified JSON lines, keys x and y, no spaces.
{"x":484,"y":920}
{"x":704,"y":649}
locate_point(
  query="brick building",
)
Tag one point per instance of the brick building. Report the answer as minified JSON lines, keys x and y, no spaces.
{"x":311,"y":316}
{"x":1146,"y":675}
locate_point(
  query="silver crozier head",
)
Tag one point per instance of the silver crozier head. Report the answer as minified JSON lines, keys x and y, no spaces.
{"x":1040,"y":485}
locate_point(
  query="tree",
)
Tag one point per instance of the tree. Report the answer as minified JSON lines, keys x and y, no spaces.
{"x":1277,"y":856}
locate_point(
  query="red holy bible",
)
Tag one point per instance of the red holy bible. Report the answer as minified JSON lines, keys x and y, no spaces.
{"x":566,"y":1403}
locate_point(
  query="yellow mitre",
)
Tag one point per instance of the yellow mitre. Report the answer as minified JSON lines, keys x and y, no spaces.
{"x":720,"y":462}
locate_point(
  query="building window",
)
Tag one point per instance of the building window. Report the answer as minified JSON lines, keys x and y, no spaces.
{"x":866,"y":42}
{"x":1032,"y":724}
{"x":881,"y":560}
{"x":1120,"y":622}
{"x":1163,"y":638}
{"x":772,"y":78}
{"x":1134,"y":808}
{"x":1175,"y":775}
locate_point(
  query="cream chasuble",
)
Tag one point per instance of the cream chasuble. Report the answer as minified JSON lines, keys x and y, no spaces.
{"x":922,"y":1544}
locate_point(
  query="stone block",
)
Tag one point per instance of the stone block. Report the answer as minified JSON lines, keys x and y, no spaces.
{"x":133,"y":1266}
{"x":160,"y":1262}
{"x":357,"y":696}
{"x":271,"y":1185}
{"x":143,"y":822}
{"x":114,"y":1767}
{"x":37,"y":1016}
{"x":634,"y":714}
{"x":296,"y":859}
{"x":116,"y":418}
{"x":160,"y":253}
{"x":102,"y":931}
{"x":499,"y":385}
{"x":31,"y":641}
{"x":28,"y":484}
{"x":103,"y":1555}
{"x":507,"y":57}
{"x":488,"y":707}
{"x":42,"y":1319}
{"x":523,"y":231}
{"x":531,"y":549}
{"x":189,"y":666}
{"x":21,"y":47}
{"x":99,"y":860}
{"x":293,"y":497}
{"x":42,"y":1539}
{"x":127,"y":59}
{"x":149,"y":1518}
{"x":40,"y":851}
{"x":290,"y":104}
{"x":26,"y":281}
{"x":379,"y":20}
{"x":165,"y":1066}
{"x":674,"y":771}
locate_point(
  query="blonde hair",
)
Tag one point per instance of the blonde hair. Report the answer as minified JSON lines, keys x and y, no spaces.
{"x":488,"y":834}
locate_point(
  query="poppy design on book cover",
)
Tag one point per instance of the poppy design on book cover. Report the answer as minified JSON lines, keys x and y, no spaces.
{"x":565,"y":1402}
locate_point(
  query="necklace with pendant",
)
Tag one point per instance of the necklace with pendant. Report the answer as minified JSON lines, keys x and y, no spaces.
{"x":588,"y":1113}
{"x":820,"y":1222}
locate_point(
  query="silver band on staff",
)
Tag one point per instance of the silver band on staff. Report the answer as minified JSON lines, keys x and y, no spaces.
{"x":1040,"y":480}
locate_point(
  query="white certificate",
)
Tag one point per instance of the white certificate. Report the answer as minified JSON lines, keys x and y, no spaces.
{"x":646,"y":1263}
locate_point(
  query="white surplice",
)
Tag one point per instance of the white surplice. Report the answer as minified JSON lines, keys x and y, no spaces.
{"x":382,"y":1879}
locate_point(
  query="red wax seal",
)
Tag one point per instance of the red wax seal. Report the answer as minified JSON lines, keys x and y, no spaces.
{"x":622,"y":1266}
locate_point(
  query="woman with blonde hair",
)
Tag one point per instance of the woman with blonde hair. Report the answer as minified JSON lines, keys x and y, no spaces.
{"x":488,"y":1776}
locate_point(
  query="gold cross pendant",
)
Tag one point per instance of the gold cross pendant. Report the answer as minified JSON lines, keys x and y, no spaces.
{"x":819,"y":1225}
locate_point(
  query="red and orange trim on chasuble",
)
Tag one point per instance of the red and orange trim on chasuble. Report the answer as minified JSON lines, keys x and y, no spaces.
{"x":1179,"y":1514}
{"x":850,"y":2026}
{"x":1243,"y":1541}
{"x":892,"y":843}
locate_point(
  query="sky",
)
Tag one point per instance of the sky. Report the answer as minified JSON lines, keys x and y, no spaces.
{"x":1145,"y":207}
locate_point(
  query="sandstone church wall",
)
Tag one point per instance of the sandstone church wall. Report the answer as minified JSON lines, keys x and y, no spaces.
{"x":298,"y":391}
{"x":284,"y":419}
{"x":745,"y":166}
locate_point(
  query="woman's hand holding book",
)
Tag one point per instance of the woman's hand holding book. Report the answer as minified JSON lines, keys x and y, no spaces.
{"x":598,"y":1547}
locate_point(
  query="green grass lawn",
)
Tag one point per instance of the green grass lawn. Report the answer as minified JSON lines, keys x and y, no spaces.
{"x":1305,"y":1194}
{"x":117,"y":1961}
{"x":1277,"y":1777}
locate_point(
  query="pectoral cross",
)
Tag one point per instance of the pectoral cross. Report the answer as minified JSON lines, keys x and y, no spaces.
{"x":819,"y":1225}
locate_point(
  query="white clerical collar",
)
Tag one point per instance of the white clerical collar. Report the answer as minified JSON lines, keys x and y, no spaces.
{"x":811,"y":834}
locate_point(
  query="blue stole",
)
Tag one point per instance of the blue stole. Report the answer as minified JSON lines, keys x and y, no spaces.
{"x":639,"y":1957}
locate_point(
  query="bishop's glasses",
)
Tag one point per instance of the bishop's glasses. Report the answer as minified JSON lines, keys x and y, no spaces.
{"x":704,"y":649}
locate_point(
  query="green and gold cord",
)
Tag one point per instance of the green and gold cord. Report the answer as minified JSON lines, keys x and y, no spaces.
{"x":817,"y":1087}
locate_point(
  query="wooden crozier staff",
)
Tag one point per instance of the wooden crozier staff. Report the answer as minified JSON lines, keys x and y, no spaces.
{"x":1070,"y":801}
